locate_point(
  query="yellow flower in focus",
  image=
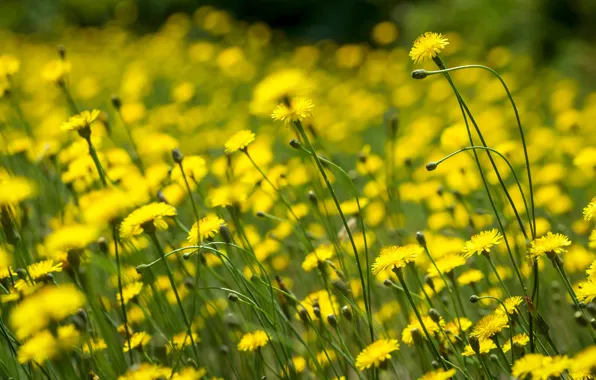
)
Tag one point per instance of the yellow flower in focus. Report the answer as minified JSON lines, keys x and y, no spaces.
{"x":550,"y":244}
{"x":511,"y":305}
{"x":253,"y":341}
{"x":428,"y":46}
{"x":80,"y":121}
{"x":239,"y":141}
{"x":137,"y":340}
{"x":395,"y":257}
{"x":376,"y":353}
{"x":149,"y":216}
{"x":482,"y":243}
{"x":590,"y":210}
{"x":521,"y":339}
{"x":439,"y":374}
{"x":206,"y":228}
{"x":490,"y":325}
{"x":300,"y":109}
{"x":40,"y":270}
{"x":586,"y":291}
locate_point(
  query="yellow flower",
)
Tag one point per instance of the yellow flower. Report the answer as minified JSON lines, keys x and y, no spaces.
{"x":45,"y":346}
{"x":181,"y":340}
{"x":446,"y":264}
{"x":14,"y":190}
{"x":139,"y":339}
{"x":486,"y":345}
{"x":94,"y":346}
{"x":41,"y":269}
{"x":253,"y":341}
{"x":49,"y":304}
{"x":521,"y":339}
{"x":439,"y":374}
{"x":195,"y":168}
{"x":550,"y":244}
{"x":56,"y":70}
{"x":327,"y":304}
{"x":540,"y":367}
{"x":471,"y":276}
{"x":239,"y":141}
{"x":320,"y":254}
{"x":584,"y":362}
{"x":300,"y":109}
{"x":527,"y":365}
{"x":431,"y":326}
{"x":482,"y":242}
{"x":376,"y":353}
{"x":586,"y":291}
{"x":427,"y":46}
{"x":205,"y":228}
{"x":511,"y":305}
{"x":130,"y":291}
{"x":80,"y":121}
{"x":148,"y":216}
{"x":490,"y":325}
{"x":590,"y":210}
{"x":395,"y":257}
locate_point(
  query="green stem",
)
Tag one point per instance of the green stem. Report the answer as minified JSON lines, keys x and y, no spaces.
{"x":122,"y":306}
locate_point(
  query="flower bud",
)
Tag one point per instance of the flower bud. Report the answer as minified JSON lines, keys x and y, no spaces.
{"x":102,"y":244}
{"x":295,"y":144}
{"x":421,"y":239}
{"x":417,"y":337}
{"x":303,"y":315}
{"x":260,"y":214}
{"x":161,"y":197}
{"x":474,"y":298}
{"x":434,"y":315}
{"x":177,"y":155}
{"x":232,"y":297}
{"x":475,"y":344}
{"x":332,"y":319}
{"x":419,"y":74}
{"x":431,"y":166}
{"x":317,"y":311}
{"x":435,"y":364}
{"x":224,"y":231}
{"x":62,"y":51}
{"x":346,"y":311}
{"x":312,"y":197}
{"x":116,"y":102}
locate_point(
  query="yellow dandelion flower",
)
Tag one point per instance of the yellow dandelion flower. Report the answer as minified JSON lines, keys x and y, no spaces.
{"x":137,"y":340}
{"x":486,"y":345}
{"x":14,"y":190}
{"x":590,"y":210}
{"x":427,"y":46}
{"x":253,"y":341}
{"x":511,"y":305}
{"x":521,"y":339}
{"x":376,"y":353}
{"x":94,"y":345}
{"x":453,"y":327}
{"x":239,"y":141}
{"x":130,"y":291}
{"x":206,"y":228}
{"x":80,"y":121}
{"x":327,"y":304}
{"x":320,"y":254}
{"x":431,"y":326}
{"x":550,"y":244}
{"x":41,"y":347}
{"x":41,"y":269}
{"x":149,"y":216}
{"x":395,"y":257}
{"x":489,"y":326}
{"x":300,"y":109}
{"x":471,"y":276}
{"x":446,"y":264}
{"x":482,"y":242}
{"x":181,"y":340}
{"x":56,"y":70}
{"x":584,"y":362}
{"x":439,"y":374}
{"x":586,"y":291}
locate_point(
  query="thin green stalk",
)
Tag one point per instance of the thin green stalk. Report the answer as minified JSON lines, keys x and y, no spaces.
{"x":345,"y":223}
{"x":494,"y":268}
{"x":120,"y":291}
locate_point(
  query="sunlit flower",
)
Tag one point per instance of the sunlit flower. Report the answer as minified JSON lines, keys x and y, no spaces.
{"x":486,"y":345}
{"x":376,"y":353}
{"x":14,"y":190}
{"x":253,"y":341}
{"x":130,"y":291}
{"x":300,"y":109}
{"x":439,"y":374}
{"x":520,"y":339}
{"x":482,"y":242}
{"x":151,"y":216}
{"x":586,"y":291}
{"x":471,"y":276}
{"x":320,"y":255}
{"x":590,"y":210}
{"x":490,"y":325}
{"x":41,"y":269}
{"x":239,"y":141}
{"x":427,"y":46}
{"x":431,"y":326}
{"x":395,"y":257}
{"x":549,"y":244}
{"x":137,"y":340}
{"x":181,"y":340}
{"x":80,"y":121}
{"x":206,"y":228}
{"x":446,"y":264}
{"x":511,"y":305}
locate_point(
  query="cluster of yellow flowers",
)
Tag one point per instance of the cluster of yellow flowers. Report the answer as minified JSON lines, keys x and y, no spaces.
{"x":232,"y":206}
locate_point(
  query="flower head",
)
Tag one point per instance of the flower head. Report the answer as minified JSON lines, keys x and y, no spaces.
{"x":446,"y":264}
{"x":239,"y":141}
{"x":590,"y":210}
{"x":439,"y":374}
{"x":427,"y":46}
{"x":521,"y":339}
{"x":130,"y":291}
{"x":549,"y":244}
{"x":395,"y":257}
{"x":490,"y":325}
{"x":205,"y":228}
{"x":471,"y":276}
{"x":431,"y":326}
{"x":320,"y":254}
{"x":41,"y":269}
{"x":14,"y":190}
{"x":511,"y":305}
{"x":253,"y":341}
{"x":482,"y":242}
{"x":586,"y":291}
{"x":139,"y":340}
{"x":80,"y":121}
{"x":376,"y":353}
{"x":486,"y":345}
{"x":151,"y":215}
{"x":299,"y":109}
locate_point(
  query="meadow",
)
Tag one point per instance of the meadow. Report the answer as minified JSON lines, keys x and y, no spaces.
{"x":218,"y":201}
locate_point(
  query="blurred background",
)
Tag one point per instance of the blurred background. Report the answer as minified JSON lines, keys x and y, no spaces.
{"x":559,"y":33}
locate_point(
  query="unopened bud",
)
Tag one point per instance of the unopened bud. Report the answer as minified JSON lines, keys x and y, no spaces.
{"x":260,"y":214}
{"x":474,"y":298}
{"x":417,"y":336}
{"x":303,"y":315}
{"x":231,"y":320}
{"x":312,"y":197}
{"x":434,"y":315}
{"x":161,"y":197}
{"x":475,"y":344}
{"x":232,"y":297}
{"x":116,"y":102}
{"x":419,"y":74}
{"x":435,"y":364}
{"x":580,"y":319}
{"x":295,"y":144}
{"x":177,"y":155}
{"x":332,"y":319}
{"x":388,"y":283}
{"x":317,"y":311}
{"x":62,"y":51}
{"x":224,"y":231}
{"x":102,"y":244}
{"x":224,"y":349}
{"x":346,"y":311}
{"x":431,"y":166}
{"x":421,"y":239}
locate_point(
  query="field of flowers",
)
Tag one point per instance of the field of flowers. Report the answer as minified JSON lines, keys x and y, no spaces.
{"x":213,"y":201}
